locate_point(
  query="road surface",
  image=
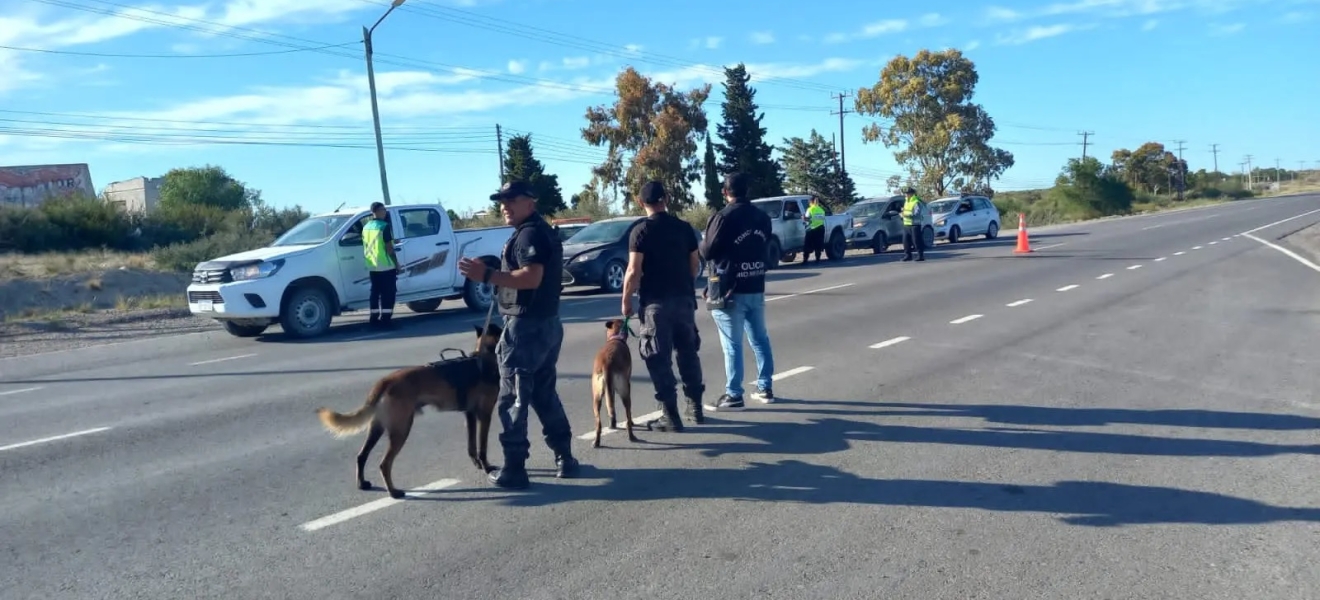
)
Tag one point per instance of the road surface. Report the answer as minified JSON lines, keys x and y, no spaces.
{"x":1128,"y":412}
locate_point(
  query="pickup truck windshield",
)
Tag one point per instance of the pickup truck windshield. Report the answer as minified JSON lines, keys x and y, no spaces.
{"x":312,"y":231}
{"x":943,"y":206}
{"x":771,"y":209}
{"x":601,"y":232}
{"x":867,"y":209}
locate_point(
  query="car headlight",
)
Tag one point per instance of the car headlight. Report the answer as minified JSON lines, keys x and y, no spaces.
{"x":586,"y":256}
{"x":940,"y":223}
{"x":256,"y":271}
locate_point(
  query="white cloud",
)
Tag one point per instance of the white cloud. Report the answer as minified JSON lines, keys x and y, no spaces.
{"x":870,"y":30}
{"x":972,"y":45}
{"x":1227,"y":29}
{"x":1296,"y":17}
{"x":517,"y":67}
{"x":933,"y":20}
{"x":1035,"y":33}
{"x":701,"y":74}
{"x":1117,"y":8}
{"x":763,"y":37}
{"x":1150,"y":25}
{"x":709,"y":43}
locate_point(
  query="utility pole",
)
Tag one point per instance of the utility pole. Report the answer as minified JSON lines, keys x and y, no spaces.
{"x":1182,"y":170}
{"x":1276,"y":172}
{"x":1086,"y":141}
{"x":1248,"y":161}
{"x":499,"y":145}
{"x":1301,"y":166}
{"x":1214,"y":149}
{"x":843,"y":162}
{"x":375,"y":110}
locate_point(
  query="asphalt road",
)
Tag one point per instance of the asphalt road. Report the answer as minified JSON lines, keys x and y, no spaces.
{"x":1129,"y":412}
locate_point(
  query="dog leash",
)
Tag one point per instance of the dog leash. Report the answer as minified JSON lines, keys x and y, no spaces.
{"x":489,"y":313}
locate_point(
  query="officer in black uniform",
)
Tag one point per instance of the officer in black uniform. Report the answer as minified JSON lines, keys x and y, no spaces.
{"x":528,"y":295}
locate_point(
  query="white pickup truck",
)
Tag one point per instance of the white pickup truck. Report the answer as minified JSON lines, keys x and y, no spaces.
{"x":316,"y":271}
{"x":790,"y":231}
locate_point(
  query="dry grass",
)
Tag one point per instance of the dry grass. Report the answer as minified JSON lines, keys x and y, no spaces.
{"x":54,"y":264}
{"x":1303,"y":186}
{"x":150,"y":302}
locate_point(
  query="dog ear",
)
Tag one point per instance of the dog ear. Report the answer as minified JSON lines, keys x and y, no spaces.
{"x":609,"y":323}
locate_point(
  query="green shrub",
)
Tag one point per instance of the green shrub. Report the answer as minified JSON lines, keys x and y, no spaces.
{"x":185,"y":256}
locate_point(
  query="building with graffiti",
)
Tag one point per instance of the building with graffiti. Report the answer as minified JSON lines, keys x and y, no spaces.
{"x":28,"y":186}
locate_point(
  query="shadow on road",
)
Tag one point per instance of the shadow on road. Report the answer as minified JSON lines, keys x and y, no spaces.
{"x":1091,"y":417}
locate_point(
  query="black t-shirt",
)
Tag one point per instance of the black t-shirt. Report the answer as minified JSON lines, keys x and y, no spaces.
{"x":666,"y":243}
{"x":735,"y":246}
{"x":533,"y":242}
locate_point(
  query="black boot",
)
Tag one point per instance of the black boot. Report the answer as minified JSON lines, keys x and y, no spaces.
{"x":694,"y":410}
{"x":567,"y":466}
{"x":669,"y":419}
{"x":510,"y":477}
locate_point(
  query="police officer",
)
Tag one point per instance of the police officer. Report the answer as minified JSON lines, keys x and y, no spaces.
{"x":662,"y":271}
{"x":382,"y":265}
{"x":528,"y":297}
{"x":815,"y":219}
{"x":913,"y":209}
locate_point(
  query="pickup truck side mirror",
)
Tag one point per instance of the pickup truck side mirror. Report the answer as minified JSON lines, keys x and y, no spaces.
{"x":351,"y":239}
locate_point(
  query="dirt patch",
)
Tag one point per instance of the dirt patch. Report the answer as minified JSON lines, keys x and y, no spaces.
{"x":1306,"y":242}
{"x":66,"y":331}
{"x":123,"y":288}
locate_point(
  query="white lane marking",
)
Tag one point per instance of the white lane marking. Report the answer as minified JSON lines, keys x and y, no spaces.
{"x":1196,"y":247}
{"x":375,"y":505}
{"x":966,"y":319}
{"x":1179,"y":253}
{"x":24,"y":390}
{"x":787,"y":374}
{"x":888,"y":343}
{"x":1311,"y":212}
{"x":372,"y":336}
{"x":824,"y":289}
{"x":1162,"y":259}
{"x":1018,"y":303}
{"x":53,"y":438}
{"x":1134,"y":267}
{"x":1048,"y":247}
{"x":1287,"y":252}
{"x":1181,"y":222}
{"x":1067,"y":287}
{"x":1214,"y":242}
{"x":1105,"y":276}
{"x":217,"y":360}
{"x":1227,"y":239}
{"x":638,"y":421}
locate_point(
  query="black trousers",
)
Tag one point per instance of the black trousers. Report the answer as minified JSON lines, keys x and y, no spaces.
{"x":669,"y":331}
{"x":815,"y":242}
{"x":912,"y":239}
{"x":384,"y":286}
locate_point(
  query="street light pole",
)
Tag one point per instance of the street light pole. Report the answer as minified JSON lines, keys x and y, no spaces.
{"x":375,"y":110}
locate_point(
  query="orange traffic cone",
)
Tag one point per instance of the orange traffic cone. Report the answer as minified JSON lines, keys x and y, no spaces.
{"x":1023,"y":245}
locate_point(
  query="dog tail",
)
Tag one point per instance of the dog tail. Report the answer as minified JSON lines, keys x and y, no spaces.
{"x":342,"y":425}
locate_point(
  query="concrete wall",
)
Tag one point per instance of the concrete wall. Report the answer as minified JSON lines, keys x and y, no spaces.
{"x":136,"y":195}
{"x":29,"y":186}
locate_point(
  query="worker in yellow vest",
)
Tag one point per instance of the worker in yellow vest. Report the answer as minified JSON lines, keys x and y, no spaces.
{"x":382,"y":265}
{"x":913,"y":215}
{"x":815,"y":220}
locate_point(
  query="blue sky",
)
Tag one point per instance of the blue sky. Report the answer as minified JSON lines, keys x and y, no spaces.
{"x":1237,"y":73}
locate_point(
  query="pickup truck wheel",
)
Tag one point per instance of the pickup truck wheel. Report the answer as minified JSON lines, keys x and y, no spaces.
{"x":837,"y":246}
{"x":879,"y":243}
{"x":245,"y":331}
{"x":613,"y":278}
{"x":479,"y":296}
{"x":928,"y":236}
{"x":425,"y":306}
{"x":772,"y":256}
{"x":306,"y":314}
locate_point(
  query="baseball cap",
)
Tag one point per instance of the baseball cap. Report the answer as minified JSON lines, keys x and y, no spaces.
{"x":653,"y":192}
{"x":513,"y":189}
{"x":909,"y":190}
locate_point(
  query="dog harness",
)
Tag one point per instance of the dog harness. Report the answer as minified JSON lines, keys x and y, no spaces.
{"x":463,"y":372}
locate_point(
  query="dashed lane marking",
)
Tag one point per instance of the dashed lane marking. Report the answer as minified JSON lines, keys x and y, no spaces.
{"x":1214,"y":242}
{"x":787,"y":374}
{"x":1018,"y":303}
{"x":1067,"y":287}
{"x":1197,"y":247}
{"x":1162,"y":259}
{"x":1134,"y":267}
{"x":219,"y":360}
{"x":1105,"y":276}
{"x":1037,"y":248}
{"x":22,"y":391}
{"x":966,"y":319}
{"x":816,"y":291}
{"x":1179,"y":253}
{"x":1226,"y":239}
{"x":1281,"y":221}
{"x":53,"y":438}
{"x":375,"y":505}
{"x":891,"y":342}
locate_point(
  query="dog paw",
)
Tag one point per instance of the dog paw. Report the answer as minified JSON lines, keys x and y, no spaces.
{"x":396,"y":494}
{"x":595,"y":444}
{"x":364,"y":485}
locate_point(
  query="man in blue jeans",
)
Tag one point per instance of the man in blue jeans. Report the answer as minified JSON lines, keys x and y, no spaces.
{"x":735,"y":248}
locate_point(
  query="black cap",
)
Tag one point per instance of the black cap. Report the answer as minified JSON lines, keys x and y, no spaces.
{"x":513,"y":189}
{"x":375,"y":206}
{"x":736,"y":184}
{"x":653,"y":192}
{"x":908,"y":190}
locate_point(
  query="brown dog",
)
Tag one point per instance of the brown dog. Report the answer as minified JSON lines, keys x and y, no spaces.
{"x":611,"y":377}
{"x":469,"y":385}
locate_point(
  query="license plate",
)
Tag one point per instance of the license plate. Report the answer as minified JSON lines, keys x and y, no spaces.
{"x":205,"y":306}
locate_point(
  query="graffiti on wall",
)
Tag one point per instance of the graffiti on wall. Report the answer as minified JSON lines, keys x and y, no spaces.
{"x":32,"y":185}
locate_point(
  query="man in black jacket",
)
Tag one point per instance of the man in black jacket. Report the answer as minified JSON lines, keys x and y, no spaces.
{"x":735,"y":249}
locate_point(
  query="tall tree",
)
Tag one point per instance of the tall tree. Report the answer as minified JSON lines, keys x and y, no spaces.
{"x":657,"y":127}
{"x":209,"y":186}
{"x":521,"y":163}
{"x":1087,"y":185}
{"x":943,"y":138}
{"x":1149,"y":168}
{"x":714,"y":190}
{"x":811,"y":166}
{"x":743,"y":148}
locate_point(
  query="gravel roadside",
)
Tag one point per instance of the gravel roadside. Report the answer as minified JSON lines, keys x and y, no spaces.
{"x":75,"y":330}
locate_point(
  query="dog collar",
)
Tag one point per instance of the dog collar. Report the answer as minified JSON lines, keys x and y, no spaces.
{"x":620,"y":337}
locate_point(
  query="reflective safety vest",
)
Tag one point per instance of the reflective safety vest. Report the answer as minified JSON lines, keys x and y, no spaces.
{"x":816,"y":214}
{"x":373,"y":246}
{"x":910,"y":209}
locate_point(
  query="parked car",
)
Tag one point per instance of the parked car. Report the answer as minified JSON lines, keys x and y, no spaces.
{"x":316,"y":271}
{"x":598,"y":254}
{"x":956,"y":217}
{"x":789,"y":231}
{"x":877,"y":224}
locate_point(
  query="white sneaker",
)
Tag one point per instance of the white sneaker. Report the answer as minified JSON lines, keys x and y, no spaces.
{"x":765,"y":396}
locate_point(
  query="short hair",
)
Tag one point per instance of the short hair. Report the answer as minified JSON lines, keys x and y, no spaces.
{"x":375,"y":206}
{"x":736,"y":185}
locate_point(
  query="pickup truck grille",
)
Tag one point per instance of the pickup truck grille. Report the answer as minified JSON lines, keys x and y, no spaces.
{"x":215,"y":276}
{"x":214,"y":297}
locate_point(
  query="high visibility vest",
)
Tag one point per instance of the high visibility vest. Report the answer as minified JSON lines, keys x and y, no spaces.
{"x":373,"y":246}
{"x":816,"y":214}
{"x":910,"y":209}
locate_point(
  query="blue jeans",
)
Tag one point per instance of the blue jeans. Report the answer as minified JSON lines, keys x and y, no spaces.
{"x":744,"y":312}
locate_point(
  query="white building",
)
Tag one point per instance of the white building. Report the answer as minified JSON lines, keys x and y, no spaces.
{"x":136,"y":195}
